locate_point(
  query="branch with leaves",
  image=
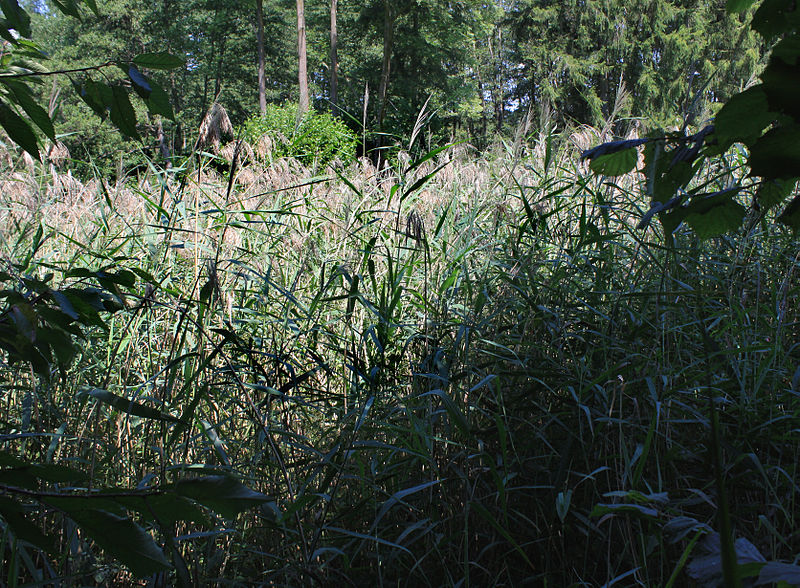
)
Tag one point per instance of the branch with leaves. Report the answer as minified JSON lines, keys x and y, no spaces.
{"x":20,"y":113}
{"x":765,"y":119}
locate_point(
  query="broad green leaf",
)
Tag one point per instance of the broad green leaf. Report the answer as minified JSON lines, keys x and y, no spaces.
{"x":9,"y":459}
{"x":14,"y":514}
{"x":788,"y":49}
{"x":16,"y":17}
{"x":715,"y":214}
{"x":25,"y":319}
{"x":51,"y":472}
{"x":680,"y":527}
{"x":223,"y":495}
{"x":791,"y":214}
{"x":617,"y":163}
{"x":68,"y":7}
{"x":122,"y":114}
{"x":60,"y":343}
{"x":738,"y":5}
{"x":776,"y":155}
{"x":775,"y":17}
{"x":64,"y":304}
{"x":781,"y":84}
{"x":774,"y":572}
{"x":165,"y":509}
{"x":109,"y":279}
{"x":140,"y":83}
{"x":86,"y":304}
{"x":92,"y":4}
{"x":18,"y":130}
{"x":95,"y":501}
{"x":37,"y":114}
{"x":158,"y":102}
{"x":160,"y":60}
{"x":97,"y":96}
{"x":121,"y":539}
{"x":6,"y":34}
{"x":127,"y":406}
{"x":743,"y":117}
{"x":20,"y":477}
{"x":773,"y":192}
{"x":613,"y":147}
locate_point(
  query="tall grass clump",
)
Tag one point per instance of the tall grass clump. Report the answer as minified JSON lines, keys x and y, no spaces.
{"x":471,"y":369}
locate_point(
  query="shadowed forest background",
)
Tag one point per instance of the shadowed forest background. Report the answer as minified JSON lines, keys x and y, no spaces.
{"x":421,"y":292}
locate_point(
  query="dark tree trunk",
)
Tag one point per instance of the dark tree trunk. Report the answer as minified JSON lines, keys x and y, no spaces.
{"x":334,"y":59}
{"x":262,"y":80}
{"x":302,"y":57}
{"x":390,"y":15}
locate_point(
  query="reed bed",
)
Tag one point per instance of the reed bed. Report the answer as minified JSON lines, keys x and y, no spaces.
{"x":471,"y":371}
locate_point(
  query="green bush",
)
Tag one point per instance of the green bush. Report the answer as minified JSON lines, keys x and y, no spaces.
{"x":319,"y":137}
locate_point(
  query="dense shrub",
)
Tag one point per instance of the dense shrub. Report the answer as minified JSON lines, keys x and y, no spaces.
{"x":319,"y":137}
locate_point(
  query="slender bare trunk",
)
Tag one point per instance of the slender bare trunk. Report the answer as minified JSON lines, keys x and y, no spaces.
{"x":334,"y":58}
{"x":388,"y":42}
{"x":262,"y":79}
{"x":302,"y":57}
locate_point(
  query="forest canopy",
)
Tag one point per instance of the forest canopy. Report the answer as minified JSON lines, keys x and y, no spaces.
{"x":484,"y":66}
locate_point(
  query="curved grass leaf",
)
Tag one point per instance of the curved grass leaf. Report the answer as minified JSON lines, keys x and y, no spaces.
{"x":636,"y":509}
{"x":367,"y":538}
{"x":456,"y":415}
{"x":128,"y":406}
{"x":398,"y":497}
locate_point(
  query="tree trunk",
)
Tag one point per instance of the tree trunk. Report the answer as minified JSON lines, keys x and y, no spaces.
{"x":302,"y":58}
{"x":334,"y":59}
{"x":388,"y":42}
{"x":262,"y":80}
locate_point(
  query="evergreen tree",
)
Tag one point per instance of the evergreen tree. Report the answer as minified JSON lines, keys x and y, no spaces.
{"x":576,"y":54}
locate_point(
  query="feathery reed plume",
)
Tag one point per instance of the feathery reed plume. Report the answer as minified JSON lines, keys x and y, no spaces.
{"x":215,"y":127}
{"x":57,"y":153}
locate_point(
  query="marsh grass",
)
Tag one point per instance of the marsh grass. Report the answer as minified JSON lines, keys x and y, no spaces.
{"x":470,"y":371}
